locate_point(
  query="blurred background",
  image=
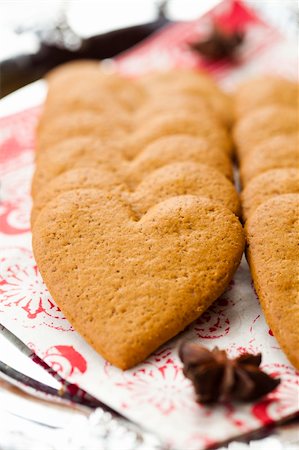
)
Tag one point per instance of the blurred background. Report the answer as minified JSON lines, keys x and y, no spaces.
{"x":37,"y":35}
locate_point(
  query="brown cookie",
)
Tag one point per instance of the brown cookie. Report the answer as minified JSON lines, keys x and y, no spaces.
{"x":178,"y":148}
{"x":129,"y":285}
{"x":265,"y":90}
{"x":262,"y":124}
{"x":81,"y":178}
{"x":187,"y":104}
{"x":127,"y":92}
{"x":90,"y":152}
{"x":66,"y":74}
{"x":268,"y":185}
{"x":201,"y":83}
{"x":98,"y":102}
{"x":89,"y":78}
{"x":169,"y":181}
{"x":191,"y":83}
{"x":273,"y":234}
{"x":71,"y":154}
{"x":82,"y":124}
{"x":184,"y":178}
{"x":275,"y":153}
{"x":174,"y":123}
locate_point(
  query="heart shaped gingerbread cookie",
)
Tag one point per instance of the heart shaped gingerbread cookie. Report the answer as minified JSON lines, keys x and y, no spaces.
{"x":272,"y":234}
{"x":169,"y":181}
{"x":129,"y":284}
{"x":93,"y":153}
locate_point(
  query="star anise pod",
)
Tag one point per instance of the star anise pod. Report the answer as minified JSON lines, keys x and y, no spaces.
{"x":219,"y":44}
{"x":216,"y":378}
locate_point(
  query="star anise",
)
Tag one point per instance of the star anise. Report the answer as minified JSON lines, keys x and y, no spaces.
{"x":216,"y":378}
{"x":219,"y":44}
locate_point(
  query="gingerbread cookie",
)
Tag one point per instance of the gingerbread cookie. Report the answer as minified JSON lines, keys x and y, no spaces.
{"x":71,"y":154}
{"x":90,"y":77}
{"x":127,"y":92}
{"x":262,"y":124}
{"x":265,"y":90}
{"x":183,"y":103}
{"x":67,"y":74}
{"x":268,"y":185}
{"x":181,"y":179}
{"x":91,"y":152}
{"x":81,"y":124}
{"x":81,"y":178}
{"x":275,"y":153}
{"x":129,"y":285}
{"x":168,"y":181}
{"x":177,"y":148}
{"x":273,"y":234}
{"x":193,"y":84}
{"x":178,"y":123}
{"x":201,"y":83}
{"x":99,"y":103}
